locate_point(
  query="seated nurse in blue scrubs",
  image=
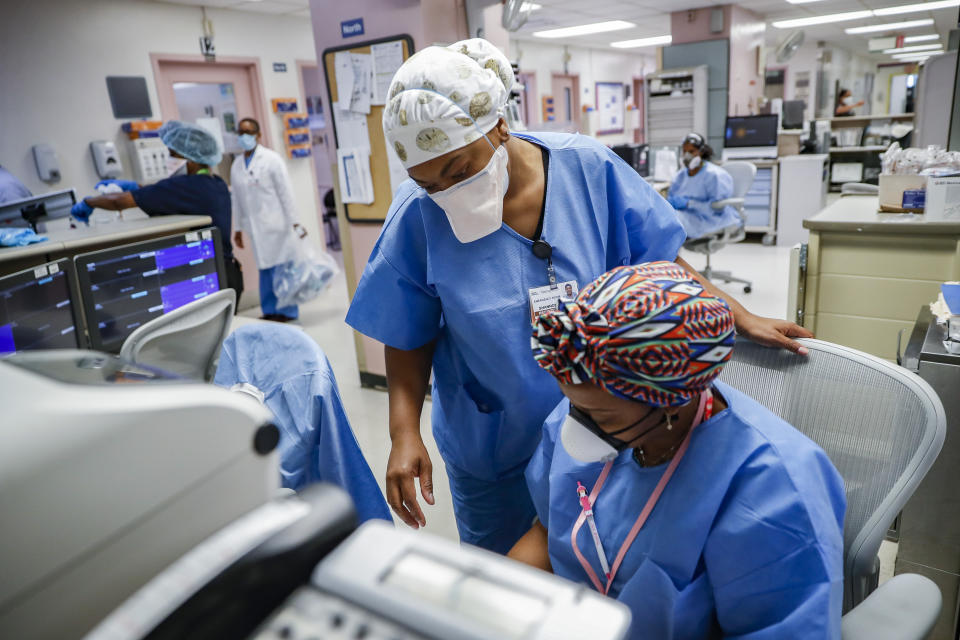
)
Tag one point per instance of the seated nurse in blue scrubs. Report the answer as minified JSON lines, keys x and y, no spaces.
{"x":713,"y":517}
{"x":490,"y":229}
{"x":697,"y":185}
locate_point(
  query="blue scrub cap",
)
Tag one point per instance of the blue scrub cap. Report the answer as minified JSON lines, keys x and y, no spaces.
{"x":191,"y":141}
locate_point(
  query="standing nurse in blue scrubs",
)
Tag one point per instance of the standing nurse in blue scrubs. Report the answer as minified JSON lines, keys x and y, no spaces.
{"x":487,"y":233}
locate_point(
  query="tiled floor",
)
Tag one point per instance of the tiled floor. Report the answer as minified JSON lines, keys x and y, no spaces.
{"x":367,"y":409}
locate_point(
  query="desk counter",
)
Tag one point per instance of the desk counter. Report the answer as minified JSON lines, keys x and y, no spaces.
{"x":867,"y":272}
{"x":65,"y":242}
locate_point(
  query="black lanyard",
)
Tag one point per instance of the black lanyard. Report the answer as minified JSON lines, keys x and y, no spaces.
{"x":541,"y":248}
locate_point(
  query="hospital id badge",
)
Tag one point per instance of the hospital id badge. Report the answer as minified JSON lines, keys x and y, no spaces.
{"x":548,"y":298}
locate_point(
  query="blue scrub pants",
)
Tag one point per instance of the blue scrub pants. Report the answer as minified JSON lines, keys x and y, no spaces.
{"x":491,"y":515}
{"x":268,"y":300}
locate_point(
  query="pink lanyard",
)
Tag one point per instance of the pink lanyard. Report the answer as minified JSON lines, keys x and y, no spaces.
{"x":704,"y":412}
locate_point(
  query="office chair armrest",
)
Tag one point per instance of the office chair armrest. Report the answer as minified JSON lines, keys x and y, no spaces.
{"x":906,"y":607}
{"x":732,"y":202}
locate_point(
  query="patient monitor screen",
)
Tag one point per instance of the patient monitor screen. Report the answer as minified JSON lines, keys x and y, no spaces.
{"x":126,"y":287}
{"x":37,"y":310}
{"x":751,"y":131}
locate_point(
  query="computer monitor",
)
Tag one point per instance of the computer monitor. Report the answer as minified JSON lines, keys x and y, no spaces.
{"x":35,"y":211}
{"x":39,"y":309}
{"x":791,"y":116}
{"x":751,"y":137}
{"x":124,"y":287}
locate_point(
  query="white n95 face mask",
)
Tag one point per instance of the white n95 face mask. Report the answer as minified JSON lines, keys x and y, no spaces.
{"x":474,"y":207}
{"x":694,"y":163}
{"x":582,"y":444}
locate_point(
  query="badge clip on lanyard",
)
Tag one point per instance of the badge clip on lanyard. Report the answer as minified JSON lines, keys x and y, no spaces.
{"x":543,"y":250}
{"x":704,"y":412}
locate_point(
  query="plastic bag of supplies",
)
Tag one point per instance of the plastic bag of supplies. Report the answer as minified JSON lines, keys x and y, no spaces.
{"x":305,"y":277}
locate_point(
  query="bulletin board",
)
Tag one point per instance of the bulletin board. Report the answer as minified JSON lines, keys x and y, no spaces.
{"x":610,"y":107}
{"x":375,"y":212}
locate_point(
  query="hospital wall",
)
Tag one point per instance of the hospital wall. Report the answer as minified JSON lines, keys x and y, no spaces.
{"x":427,"y":22}
{"x":850,"y":71}
{"x":806,"y":59}
{"x":592,"y":66}
{"x":53,"y":88}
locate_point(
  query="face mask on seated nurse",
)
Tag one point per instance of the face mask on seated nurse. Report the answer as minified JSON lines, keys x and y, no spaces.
{"x":662,"y":487}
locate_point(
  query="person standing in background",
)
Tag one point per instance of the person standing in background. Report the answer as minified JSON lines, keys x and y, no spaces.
{"x":845,"y":104}
{"x":190,"y":189}
{"x":263,"y":206}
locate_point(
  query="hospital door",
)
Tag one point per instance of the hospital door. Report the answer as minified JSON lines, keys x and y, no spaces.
{"x":566,"y":100}
{"x":216,"y":96}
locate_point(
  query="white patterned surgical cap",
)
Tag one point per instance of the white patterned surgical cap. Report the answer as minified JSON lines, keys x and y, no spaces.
{"x":444,"y":98}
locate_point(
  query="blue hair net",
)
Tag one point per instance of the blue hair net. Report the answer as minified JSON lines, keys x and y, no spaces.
{"x":191,"y":141}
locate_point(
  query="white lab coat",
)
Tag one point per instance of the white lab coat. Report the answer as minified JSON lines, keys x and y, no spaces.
{"x":263,"y":206}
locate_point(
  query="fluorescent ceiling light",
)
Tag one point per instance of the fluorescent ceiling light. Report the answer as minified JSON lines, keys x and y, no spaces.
{"x":856,"y":15}
{"x":832,"y":17}
{"x":914,"y":8}
{"x":585,"y":29}
{"x":932,"y":36}
{"x":916,"y":47}
{"x":642,"y":42}
{"x":921,"y":54}
{"x":918,"y":57}
{"x":891,"y":26}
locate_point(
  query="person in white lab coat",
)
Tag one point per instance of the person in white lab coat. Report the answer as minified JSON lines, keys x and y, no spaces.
{"x":263,"y":206}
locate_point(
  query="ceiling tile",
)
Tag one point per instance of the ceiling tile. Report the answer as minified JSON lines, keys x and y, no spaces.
{"x":267,"y":6}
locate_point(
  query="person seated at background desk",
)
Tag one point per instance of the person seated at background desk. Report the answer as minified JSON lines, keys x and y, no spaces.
{"x":714,"y":517}
{"x":191,"y":189}
{"x":11,"y":188}
{"x":845,"y":104}
{"x":698,"y":184}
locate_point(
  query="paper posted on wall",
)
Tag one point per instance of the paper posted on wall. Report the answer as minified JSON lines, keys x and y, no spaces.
{"x":352,"y":128}
{"x":387,"y":58}
{"x":353,"y":170}
{"x":354,"y":73}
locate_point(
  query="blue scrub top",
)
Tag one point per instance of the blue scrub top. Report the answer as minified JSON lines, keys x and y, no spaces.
{"x":745,"y":541}
{"x":489,"y":396}
{"x":710,"y":184}
{"x":198,"y":194}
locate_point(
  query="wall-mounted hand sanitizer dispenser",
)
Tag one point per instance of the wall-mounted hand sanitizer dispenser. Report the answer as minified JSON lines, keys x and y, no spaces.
{"x":48,"y":167}
{"x":105,"y":159}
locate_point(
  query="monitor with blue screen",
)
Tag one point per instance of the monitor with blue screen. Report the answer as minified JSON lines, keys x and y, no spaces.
{"x":38,"y":309}
{"x":125,"y":287}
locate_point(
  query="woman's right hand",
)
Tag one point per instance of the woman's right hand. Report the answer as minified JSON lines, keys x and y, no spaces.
{"x":408,"y":460}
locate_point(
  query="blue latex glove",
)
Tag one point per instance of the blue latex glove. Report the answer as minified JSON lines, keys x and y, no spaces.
{"x":678,"y":202}
{"x":19,"y":237}
{"x":126,"y":185}
{"x":81,"y":211}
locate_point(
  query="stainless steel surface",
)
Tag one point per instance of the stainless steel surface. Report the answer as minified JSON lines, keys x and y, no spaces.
{"x":930,"y":522}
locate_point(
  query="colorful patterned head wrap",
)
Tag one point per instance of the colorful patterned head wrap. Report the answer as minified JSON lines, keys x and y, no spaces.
{"x":647,"y":332}
{"x":444,"y":98}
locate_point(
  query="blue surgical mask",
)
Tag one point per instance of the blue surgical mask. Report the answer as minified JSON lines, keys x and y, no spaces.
{"x":248,"y":141}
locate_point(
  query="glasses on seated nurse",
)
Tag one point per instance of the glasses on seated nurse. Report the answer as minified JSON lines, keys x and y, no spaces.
{"x":712,"y":517}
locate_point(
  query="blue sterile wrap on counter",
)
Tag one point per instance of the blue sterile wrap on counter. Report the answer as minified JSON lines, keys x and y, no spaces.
{"x":19,"y":237}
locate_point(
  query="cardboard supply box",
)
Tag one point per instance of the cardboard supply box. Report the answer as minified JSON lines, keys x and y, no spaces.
{"x":943,"y":198}
{"x":892,"y":189}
